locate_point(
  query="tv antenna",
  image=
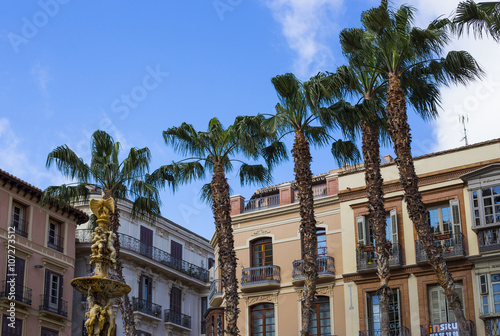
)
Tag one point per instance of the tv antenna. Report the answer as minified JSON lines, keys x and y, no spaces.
{"x":464,"y":119}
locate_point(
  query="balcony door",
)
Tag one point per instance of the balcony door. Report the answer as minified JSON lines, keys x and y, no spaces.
{"x":16,"y":271}
{"x":53,"y":291}
{"x":439,"y":310}
{"x":146,"y":291}
{"x":320,"y":317}
{"x":146,"y":242}
{"x":176,"y":253}
{"x":176,"y":304}
{"x":9,"y":329}
{"x":262,"y":320}
{"x":373,"y":313}
{"x":262,"y":252}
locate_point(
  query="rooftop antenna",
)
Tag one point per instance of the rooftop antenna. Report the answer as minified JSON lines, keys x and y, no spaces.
{"x":464,"y":119}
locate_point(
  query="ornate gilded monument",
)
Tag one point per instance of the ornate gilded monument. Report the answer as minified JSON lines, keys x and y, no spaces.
{"x":100,"y":289}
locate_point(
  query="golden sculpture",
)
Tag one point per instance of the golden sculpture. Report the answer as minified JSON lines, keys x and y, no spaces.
{"x":99,"y":287}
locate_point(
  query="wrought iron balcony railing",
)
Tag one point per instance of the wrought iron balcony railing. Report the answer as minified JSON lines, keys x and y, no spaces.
{"x":146,"y":307}
{"x":426,"y":330}
{"x":318,"y":191}
{"x":452,"y":245}
{"x":133,"y":244}
{"x":177,"y":318}
{"x":489,"y":239}
{"x":260,"y":274}
{"x":55,"y":242}
{"x":18,"y":292}
{"x":215,"y":289}
{"x":54,"y":305}
{"x":326,"y":266}
{"x":262,"y":203}
{"x":367,"y":259}
{"x":20,"y":226}
{"x":393,"y":332}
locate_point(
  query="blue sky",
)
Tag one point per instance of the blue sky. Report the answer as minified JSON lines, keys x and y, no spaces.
{"x":133,"y":69}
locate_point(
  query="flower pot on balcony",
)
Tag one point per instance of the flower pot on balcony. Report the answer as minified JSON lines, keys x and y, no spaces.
{"x":369,"y":248}
{"x":441,"y":236}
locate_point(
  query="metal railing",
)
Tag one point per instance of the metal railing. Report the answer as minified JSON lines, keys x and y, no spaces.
{"x":366,"y":260}
{"x":55,"y":242}
{"x":146,"y":307}
{"x":317,"y":190}
{"x":135,"y":245}
{"x":16,"y":291}
{"x":177,"y":318}
{"x":215,"y":289}
{"x":452,"y":246}
{"x":54,"y":305}
{"x":260,"y":274}
{"x":262,"y":203}
{"x":326,"y":266}
{"x":20,"y":226}
{"x":426,"y":330}
{"x":492,"y":326}
{"x":489,"y":239}
{"x":393,"y":332}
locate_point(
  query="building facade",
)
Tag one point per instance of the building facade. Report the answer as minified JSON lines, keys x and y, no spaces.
{"x":37,"y":261}
{"x":461,"y":189}
{"x":167,"y":267}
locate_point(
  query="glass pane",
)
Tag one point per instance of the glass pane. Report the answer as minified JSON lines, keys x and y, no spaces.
{"x":257,"y":315}
{"x":496,"y":190}
{"x":258,"y":328}
{"x":486,"y":192}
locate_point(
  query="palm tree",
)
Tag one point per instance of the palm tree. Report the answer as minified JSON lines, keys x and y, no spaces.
{"x":218,"y":148}
{"x":127,"y":179}
{"x":410,"y":52}
{"x":481,"y":17}
{"x":298,"y":113}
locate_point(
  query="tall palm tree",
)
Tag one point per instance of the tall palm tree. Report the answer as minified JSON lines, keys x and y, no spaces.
{"x":298,"y":113}
{"x":215,"y":151}
{"x":480,"y":17}
{"x":127,"y":179}
{"x":404,"y":49}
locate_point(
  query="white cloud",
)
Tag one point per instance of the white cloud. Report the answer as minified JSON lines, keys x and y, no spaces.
{"x":306,"y":25}
{"x":42,"y":78}
{"x":476,"y":100}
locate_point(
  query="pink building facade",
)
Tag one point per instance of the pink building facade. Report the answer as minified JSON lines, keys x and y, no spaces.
{"x":37,"y":260}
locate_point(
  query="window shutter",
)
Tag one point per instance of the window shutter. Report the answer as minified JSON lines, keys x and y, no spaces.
{"x":361,"y":223}
{"x":394,"y":224}
{"x":141,"y":286}
{"x":455,"y":216}
{"x":438,"y":305}
{"x":483,"y":284}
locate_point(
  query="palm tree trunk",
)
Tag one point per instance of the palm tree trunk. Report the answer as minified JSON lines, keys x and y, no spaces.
{"x":374,"y":181}
{"x":123,"y":302}
{"x":399,"y":131}
{"x":303,"y":177}
{"x":221,"y":208}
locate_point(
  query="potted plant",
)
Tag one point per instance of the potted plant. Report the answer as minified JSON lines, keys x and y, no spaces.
{"x":441,"y":236}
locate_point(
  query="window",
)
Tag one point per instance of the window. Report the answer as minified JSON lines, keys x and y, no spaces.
{"x":176,"y":253}
{"x":211,"y":263}
{"x":49,"y":332}
{"x":373,"y":313}
{"x":320,"y":317}
{"x":19,"y":219}
{"x":16,"y":270}
{"x":204,"y":305}
{"x":445,"y":218}
{"x":145,"y":289}
{"x":262,"y":320}
{"x":146,"y":238}
{"x":215,"y":323}
{"x":53,"y":291}
{"x":11,"y":329}
{"x":262,"y":252}
{"x":55,"y":238}
{"x":176,"y":300}
{"x":365,"y":232}
{"x":489,"y":290}
{"x":321,"y":237}
{"x":439,"y":310}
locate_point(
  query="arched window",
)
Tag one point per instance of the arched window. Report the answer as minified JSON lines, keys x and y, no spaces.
{"x":262,"y":319}
{"x":262,"y":252}
{"x":320,"y":317}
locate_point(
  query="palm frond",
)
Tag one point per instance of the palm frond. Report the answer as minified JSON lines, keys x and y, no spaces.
{"x":68,"y":163}
{"x":345,"y":152}
{"x":65,"y":195}
{"x":254,"y":174}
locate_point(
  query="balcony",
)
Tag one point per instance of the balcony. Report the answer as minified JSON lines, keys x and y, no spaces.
{"x":317,"y":190}
{"x":216,"y":295}
{"x":146,"y":307}
{"x":53,"y":305}
{"x":366,"y":259}
{"x":15,"y":291}
{"x":262,"y":203}
{"x":133,"y":244}
{"x":55,"y":242}
{"x":438,"y":329}
{"x":20,"y":226}
{"x":394,"y":332}
{"x":260,"y":278}
{"x":452,"y":245}
{"x":489,"y":239}
{"x":326,"y":270}
{"x":177,"y":319}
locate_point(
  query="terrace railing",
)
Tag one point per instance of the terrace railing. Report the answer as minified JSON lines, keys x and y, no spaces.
{"x":393,"y":332}
{"x":215,"y":289}
{"x":20,"y":226}
{"x":326,"y":266}
{"x":17,"y":291}
{"x":367,"y":260}
{"x":177,"y":318}
{"x":318,"y":191}
{"x":262,"y":203}
{"x":261,"y":274}
{"x":146,"y":307}
{"x":452,"y":245}
{"x":54,"y":305}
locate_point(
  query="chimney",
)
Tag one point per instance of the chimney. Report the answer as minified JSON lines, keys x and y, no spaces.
{"x":388,"y":158}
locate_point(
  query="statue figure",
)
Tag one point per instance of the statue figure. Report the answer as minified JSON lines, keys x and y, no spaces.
{"x":100,"y":240}
{"x":109,"y":245}
{"x":93,"y":318}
